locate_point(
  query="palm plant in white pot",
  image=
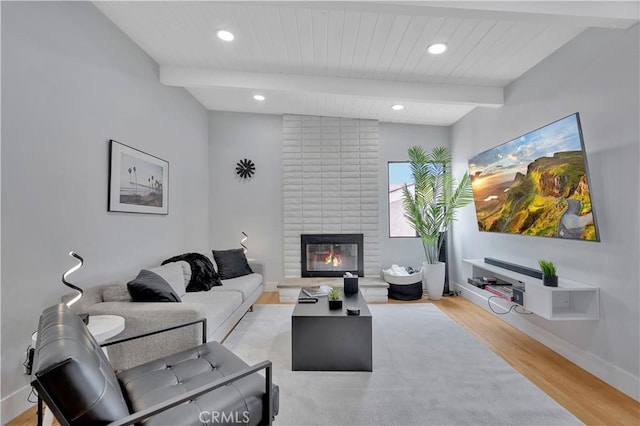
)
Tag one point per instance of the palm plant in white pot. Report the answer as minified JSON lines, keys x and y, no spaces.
{"x":432,"y":206}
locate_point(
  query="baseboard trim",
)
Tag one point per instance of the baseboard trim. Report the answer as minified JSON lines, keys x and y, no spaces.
{"x":618,"y":378}
{"x":15,"y":404}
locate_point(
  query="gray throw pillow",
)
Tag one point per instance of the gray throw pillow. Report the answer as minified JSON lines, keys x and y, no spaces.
{"x":231,"y":263}
{"x":173,"y":274}
{"x":151,"y":287}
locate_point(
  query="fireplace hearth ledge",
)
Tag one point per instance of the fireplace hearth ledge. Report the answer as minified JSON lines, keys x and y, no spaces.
{"x":374,"y":289}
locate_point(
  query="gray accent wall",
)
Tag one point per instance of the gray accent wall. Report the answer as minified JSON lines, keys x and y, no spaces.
{"x":253,"y":205}
{"x":595,"y":74}
{"x":395,"y":140}
{"x":70,"y":82}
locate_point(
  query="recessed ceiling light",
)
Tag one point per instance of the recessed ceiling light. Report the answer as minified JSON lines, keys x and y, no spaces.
{"x":397,"y":107}
{"x":224,"y":35}
{"x":258,"y":97}
{"x":437,"y":48}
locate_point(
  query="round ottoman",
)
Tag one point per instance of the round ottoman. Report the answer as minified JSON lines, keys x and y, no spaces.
{"x":404,"y":287}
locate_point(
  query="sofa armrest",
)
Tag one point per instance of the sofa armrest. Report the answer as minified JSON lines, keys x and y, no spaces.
{"x":142,"y":317}
{"x":162,"y":330}
{"x":259,"y":268}
{"x":145,"y":317}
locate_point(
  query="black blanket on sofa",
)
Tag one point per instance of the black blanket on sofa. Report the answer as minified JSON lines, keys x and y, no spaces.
{"x":203,"y":275}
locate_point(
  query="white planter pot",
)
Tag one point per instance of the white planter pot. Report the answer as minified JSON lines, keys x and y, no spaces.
{"x":433,"y":279}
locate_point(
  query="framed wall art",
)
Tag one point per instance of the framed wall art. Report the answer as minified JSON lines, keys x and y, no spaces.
{"x":138,"y":182}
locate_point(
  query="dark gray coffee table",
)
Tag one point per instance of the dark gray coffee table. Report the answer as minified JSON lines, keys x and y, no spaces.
{"x":331,"y":340}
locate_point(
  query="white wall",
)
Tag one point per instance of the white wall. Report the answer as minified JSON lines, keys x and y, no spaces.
{"x":596,"y":74}
{"x":70,"y":82}
{"x":395,"y":140}
{"x":251,"y":205}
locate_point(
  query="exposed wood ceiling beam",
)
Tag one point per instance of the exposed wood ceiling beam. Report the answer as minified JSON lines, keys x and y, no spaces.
{"x":394,"y":91}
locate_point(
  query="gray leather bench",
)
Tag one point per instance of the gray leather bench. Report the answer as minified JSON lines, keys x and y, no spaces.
{"x":204,"y":385}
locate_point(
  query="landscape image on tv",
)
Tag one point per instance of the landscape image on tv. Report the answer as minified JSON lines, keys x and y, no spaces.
{"x":536,"y":184}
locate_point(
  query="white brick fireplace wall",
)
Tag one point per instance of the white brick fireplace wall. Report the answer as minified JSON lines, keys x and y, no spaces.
{"x":330,"y":184}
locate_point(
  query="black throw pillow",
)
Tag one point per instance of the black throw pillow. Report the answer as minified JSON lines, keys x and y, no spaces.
{"x":203,"y":275}
{"x":151,"y":287}
{"x":231,"y":263}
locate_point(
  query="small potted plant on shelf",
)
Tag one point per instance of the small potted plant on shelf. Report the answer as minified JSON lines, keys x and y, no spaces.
{"x":549,"y":277}
{"x":335,"y":301}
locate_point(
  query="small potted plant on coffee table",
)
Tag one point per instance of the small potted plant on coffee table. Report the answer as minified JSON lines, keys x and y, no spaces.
{"x":549,"y":277}
{"x":335,"y":298}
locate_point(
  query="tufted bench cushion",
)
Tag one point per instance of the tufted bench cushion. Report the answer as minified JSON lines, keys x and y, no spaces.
{"x":238,"y":403}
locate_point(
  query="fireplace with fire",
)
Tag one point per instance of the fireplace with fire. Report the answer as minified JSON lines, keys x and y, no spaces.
{"x":331,"y":255}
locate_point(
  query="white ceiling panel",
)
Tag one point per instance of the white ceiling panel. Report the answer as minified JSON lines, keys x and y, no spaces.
{"x":375,"y":47}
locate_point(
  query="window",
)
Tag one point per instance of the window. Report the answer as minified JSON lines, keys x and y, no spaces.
{"x":399,"y":175}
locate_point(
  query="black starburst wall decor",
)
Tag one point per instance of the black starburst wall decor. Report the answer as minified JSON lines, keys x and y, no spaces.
{"x":245,"y":168}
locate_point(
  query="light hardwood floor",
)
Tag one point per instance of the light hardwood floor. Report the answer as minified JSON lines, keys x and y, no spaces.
{"x":589,"y":399}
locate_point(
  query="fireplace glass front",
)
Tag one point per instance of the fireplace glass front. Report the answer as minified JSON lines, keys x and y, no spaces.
{"x":331,"y":255}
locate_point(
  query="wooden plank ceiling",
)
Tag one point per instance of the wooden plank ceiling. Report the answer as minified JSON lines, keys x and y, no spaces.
{"x":355,"y":59}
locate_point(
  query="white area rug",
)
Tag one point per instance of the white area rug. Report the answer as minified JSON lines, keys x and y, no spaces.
{"x":427,"y":370}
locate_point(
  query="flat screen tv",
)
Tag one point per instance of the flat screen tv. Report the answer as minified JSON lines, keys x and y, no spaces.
{"x":536,"y":184}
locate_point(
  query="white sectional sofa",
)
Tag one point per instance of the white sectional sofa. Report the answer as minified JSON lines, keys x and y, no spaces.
{"x":222,"y":306}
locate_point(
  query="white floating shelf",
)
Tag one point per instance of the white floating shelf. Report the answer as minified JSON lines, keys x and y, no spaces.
{"x":569,"y":301}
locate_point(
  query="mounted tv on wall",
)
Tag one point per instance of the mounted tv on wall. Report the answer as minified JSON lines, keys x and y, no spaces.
{"x":536,"y":184}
